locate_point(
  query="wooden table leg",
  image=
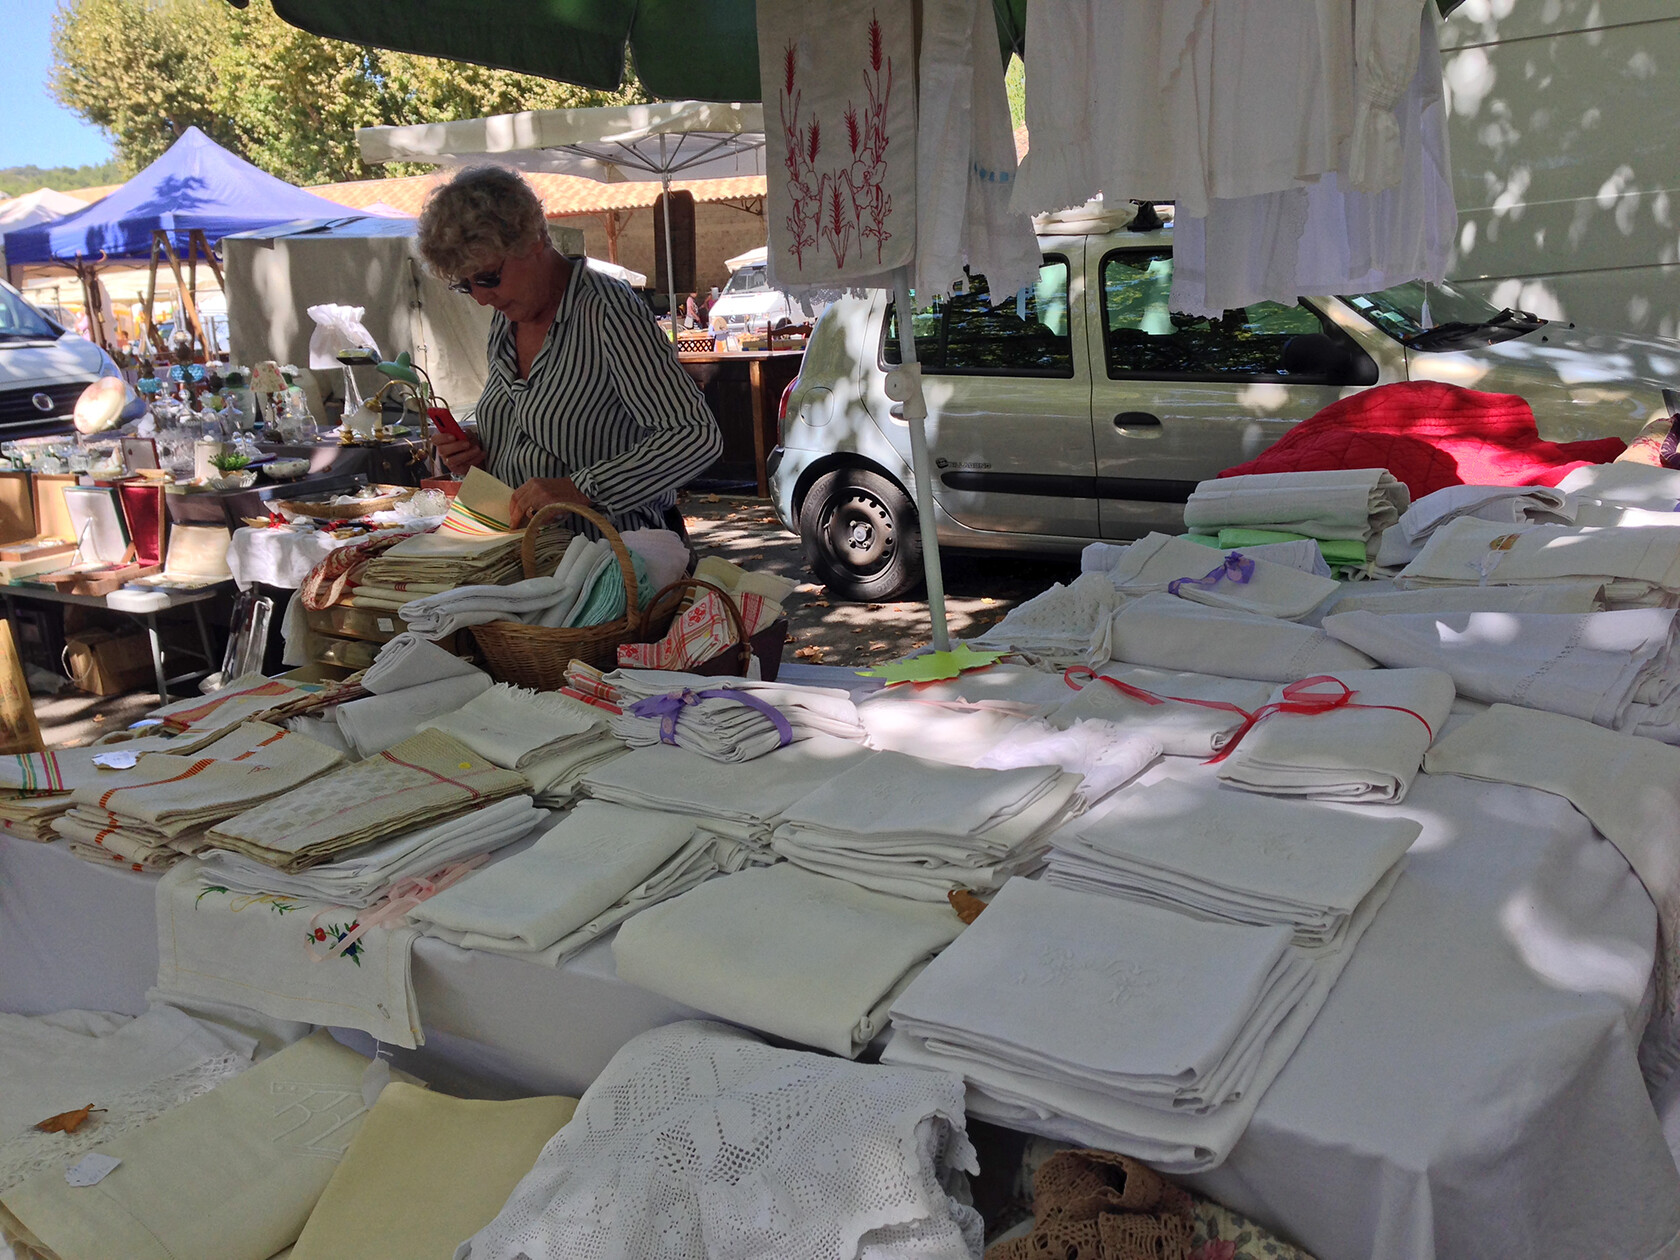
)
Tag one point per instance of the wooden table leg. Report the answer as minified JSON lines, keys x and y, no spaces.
{"x":761,"y":448}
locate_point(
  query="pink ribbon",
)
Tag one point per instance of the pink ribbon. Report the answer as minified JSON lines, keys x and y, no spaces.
{"x":399,"y":899}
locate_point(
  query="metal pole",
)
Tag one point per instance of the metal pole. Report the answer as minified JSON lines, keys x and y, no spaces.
{"x":915,"y":413}
{"x":670,"y":258}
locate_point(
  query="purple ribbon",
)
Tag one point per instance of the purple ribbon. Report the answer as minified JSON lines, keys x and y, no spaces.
{"x":669,"y":707}
{"x":1236,"y":566}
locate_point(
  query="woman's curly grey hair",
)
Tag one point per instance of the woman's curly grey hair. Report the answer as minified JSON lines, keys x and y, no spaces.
{"x":483,"y":213}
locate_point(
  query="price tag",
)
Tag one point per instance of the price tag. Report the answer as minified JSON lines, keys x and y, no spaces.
{"x":90,"y":1169}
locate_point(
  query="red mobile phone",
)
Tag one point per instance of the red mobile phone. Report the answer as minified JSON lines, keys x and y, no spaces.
{"x":447,"y":424}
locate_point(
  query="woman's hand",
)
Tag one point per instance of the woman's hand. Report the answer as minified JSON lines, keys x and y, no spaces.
{"x":539,"y":492}
{"x":458,"y":454}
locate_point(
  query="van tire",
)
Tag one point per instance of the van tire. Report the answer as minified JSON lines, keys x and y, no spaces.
{"x":861,"y":535}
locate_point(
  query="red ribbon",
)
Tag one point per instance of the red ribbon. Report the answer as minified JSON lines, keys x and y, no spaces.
{"x":1305,"y":697}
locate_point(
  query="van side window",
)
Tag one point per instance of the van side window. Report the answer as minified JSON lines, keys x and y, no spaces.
{"x":1143,"y":337}
{"x":965,"y":335}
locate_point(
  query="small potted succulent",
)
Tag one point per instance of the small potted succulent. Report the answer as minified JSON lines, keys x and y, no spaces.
{"x":235,"y":472}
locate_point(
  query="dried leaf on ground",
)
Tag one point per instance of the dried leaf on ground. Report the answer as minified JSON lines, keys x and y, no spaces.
{"x":815,"y":654}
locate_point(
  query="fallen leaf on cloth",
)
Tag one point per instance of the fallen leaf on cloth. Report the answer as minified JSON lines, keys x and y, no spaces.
{"x":67,"y":1121}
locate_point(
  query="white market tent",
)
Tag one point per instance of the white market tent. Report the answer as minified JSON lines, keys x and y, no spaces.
{"x":41,"y":206}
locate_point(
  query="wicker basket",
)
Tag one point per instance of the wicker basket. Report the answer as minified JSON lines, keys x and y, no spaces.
{"x":766,"y":644}
{"x":536,"y":656}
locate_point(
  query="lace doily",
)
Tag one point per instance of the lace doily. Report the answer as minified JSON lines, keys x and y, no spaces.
{"x":31,"y":1152}
{"x":698,"y":1140}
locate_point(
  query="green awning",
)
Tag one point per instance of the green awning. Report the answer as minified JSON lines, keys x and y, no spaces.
{"x":703,"y":50}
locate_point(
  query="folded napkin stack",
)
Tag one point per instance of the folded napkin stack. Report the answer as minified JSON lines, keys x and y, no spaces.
{"x":1506,"y":505}
{"x":1555,"y":597}
{"x":1131,"y":1027}
{"x":409,"y":661}
{"x":374,"y":723}
{"x":786,"y":1154}
{"x":1626,"y":484}
{"x":1358,"y":736}
{"x":157,"y":812}
{"x":1191,"y":847}
{"x":429,"y":778}
{"x":593,"y":869}
{"x":32,"y":817}
{"x":1101,"y":754}
{"x":1159,"y":562}
{"x":1352,"y":504}
{"x":364,"y":876}
{"x":739,"y":800}
{"x":1066,"y":625}
{"x":449,"y":559}
{"x":1165,"y":632}
{"x":1187,"y":714}
{"x":246,"y":697}
{"x":957,"y":732}
{"x":550,"y":738}
{"x":35,"y":788}
{"x":1614,"y":669}
{"x":786,"y":951}
{"x":727,"y":719}
{"x":1639,"y":568}
{"x":920,"y":829}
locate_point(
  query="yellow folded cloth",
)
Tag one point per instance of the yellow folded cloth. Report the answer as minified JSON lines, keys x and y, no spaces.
{"x":425,"y":1172}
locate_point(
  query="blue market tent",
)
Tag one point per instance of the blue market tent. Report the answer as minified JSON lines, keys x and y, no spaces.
{"x":196,"y":186}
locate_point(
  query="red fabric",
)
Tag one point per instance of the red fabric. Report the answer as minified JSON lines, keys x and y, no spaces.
{"x":1431,"y":436}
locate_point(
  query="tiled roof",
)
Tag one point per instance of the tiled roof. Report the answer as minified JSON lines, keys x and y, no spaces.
{"x":562,"y":194}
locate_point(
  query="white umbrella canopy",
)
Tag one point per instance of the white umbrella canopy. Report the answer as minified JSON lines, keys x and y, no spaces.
{"x":613,"y":144}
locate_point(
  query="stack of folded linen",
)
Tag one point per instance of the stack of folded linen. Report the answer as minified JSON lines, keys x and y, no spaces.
{"x":1187,"y":714}
{"x":448,"y":559}
{"x":1165,"y":632}
{"x":32,"y":817}
{"x":1614,"y":669}
{"x":956,"y":732}
{"x":35,"y":788}
{"x":1508,"y":505}
{"x":1065,"y":625}
{"x":1132,"y":1027}
{"x":1357,"y":737}
{"x":1352,"y":504}
{"x":1190,"y":847}
{"x":786,"y":951}
{"x":246,"y":697}
{"x":1626,"y":484}
{"x":427,"y":779}
{"x":409,"y":661}
{"x":1305,"y":554}
{"x":158,"y":811}
{"x":727,"y":719}
{"x":1101,"y":754}
{"x":593,"y":869}
{"x":1036,"y":691}
{"x":915,"y":828}
{"x":1557,"y":597}
{"x":739,"y":800}
{"x":1639,"y":568}
{"x":1302,"y":554}
{"x":786,"y":1154}
{"x":363,"y":876}
{"x":550,"y":738}
{"x":374,"y":723}
{"x":1159,"y":562}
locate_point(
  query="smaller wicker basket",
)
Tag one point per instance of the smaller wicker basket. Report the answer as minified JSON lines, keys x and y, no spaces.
{"x":536,"y":656}
{"x":767,"y":644}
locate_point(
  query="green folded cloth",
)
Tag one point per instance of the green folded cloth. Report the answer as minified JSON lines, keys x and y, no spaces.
{"x":605,"y":601}
{"x":1347,"y":552}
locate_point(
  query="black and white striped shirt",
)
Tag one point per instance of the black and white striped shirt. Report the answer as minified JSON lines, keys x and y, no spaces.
{"x":605,"y":403}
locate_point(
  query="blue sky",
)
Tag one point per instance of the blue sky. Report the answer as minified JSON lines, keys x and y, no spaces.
{"x":34,"y":128}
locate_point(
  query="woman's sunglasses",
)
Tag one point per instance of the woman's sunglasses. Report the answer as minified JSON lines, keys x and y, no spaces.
{"x":483,"y":280}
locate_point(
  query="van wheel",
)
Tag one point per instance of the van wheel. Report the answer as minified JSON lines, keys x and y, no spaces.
{"x":860,"y":535}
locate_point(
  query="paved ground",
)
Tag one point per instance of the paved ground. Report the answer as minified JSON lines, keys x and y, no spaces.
{"x":979,"y":590}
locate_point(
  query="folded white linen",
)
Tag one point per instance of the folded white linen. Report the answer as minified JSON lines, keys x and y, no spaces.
{"x":409,"y":661}
{"x":1232,"y":856}
{"x":1626,"y":785}
{"x":230,"y":1175}
{"x":1158,"y":562}
{"x":664,"y":552}
{"x":705,"y":716}
{"x":736,"y":799}
{"x":515,"y":727}
{"x":1587,"y":666}
{"x":845,"y":1160}
{"x":1351,"y":503}
{"x":1368,"y":750}
{"x":772,"y":587}
{"x":376,"y":723}
{"x":579,"y":570}
{"x":786,"y":951}
{"x":1639,"y":567}
{"x":1065,"y":625}
{"x":1006,"y":683}
{"x":1103,"y":755}
{"x":1302,"y":554}
{"x":240,"y":700}
{"x":1166,"y":632}
{"x":137,"y":1068}
{"x":1554,"y":597}
{"x":1181,"y":729}
{"x":951,"y":731}
{"x":363,"y":876}
{"x":1509,"y":505}
{"x":1182,"y":1140}
{"x":557,"y":779}
{"x":256,"y":952}
{"x":582,"y":866}
{"x":1600,"y":515}
{"x":1628,"y":484}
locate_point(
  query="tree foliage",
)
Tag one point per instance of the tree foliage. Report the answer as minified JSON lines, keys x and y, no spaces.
{"x":17,"y":180}
{"x":146,"y":70}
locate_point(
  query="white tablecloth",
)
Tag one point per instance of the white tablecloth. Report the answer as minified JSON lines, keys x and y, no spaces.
{"x":1469,"y":1089}
{"x":278,"y":557}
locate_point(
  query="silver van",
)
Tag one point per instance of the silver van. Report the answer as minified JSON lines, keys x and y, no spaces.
{"x":43,"y":370}
{"x":1087,"y":409}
